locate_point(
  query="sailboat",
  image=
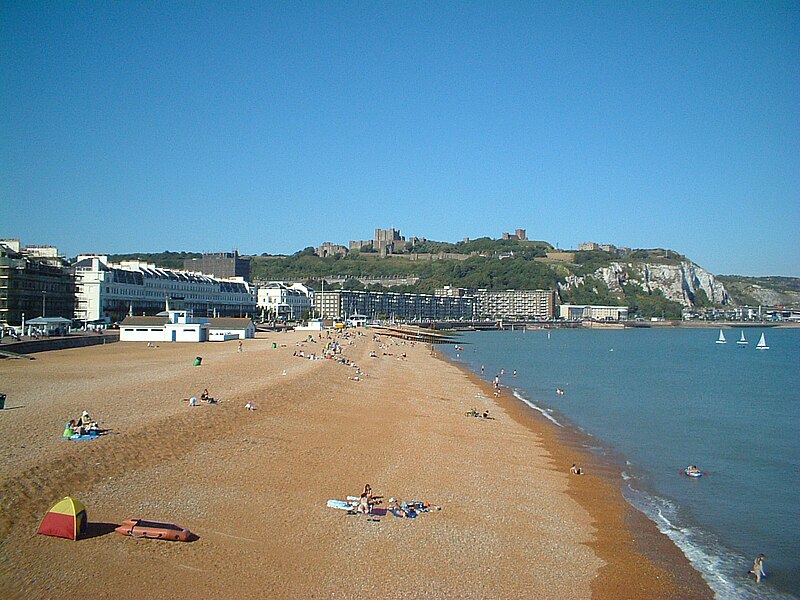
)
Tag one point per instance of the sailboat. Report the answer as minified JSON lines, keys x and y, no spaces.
{"x":721,"y":339}
{"x":762,"y":343}
{"x":742,"y":342}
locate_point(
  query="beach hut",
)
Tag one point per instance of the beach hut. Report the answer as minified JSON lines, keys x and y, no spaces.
{"x":66,"y":519}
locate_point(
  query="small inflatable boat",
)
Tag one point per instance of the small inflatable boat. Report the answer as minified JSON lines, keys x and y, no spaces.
{"x":154,"y":530}
{"x":689,"y":473}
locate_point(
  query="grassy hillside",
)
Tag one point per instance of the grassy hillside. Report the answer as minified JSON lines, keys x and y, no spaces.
{"x":166,"y":259}
{"x":488,"y":265}
{"x":753,"y":291}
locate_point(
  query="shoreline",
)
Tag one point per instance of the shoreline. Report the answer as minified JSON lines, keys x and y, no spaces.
{"x":253,"y":485}
{"x":640,"y":561}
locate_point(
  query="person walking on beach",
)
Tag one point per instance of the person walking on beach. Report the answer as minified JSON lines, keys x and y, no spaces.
{"x":758,"y":568}
{"x":240,"y":346}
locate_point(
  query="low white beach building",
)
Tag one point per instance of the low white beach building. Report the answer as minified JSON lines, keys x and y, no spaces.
{"x":221,"y":329}
{"x":181,"y":326}
{"x":312,"y":325}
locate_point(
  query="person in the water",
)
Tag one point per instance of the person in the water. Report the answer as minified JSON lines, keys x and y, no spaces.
{"x":758,"y":568}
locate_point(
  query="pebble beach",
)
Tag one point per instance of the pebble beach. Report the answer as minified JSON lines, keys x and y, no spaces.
{"x":253,"y":485}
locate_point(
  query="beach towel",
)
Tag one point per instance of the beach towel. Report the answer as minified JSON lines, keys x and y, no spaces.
{"x":82,"y":438}
{"x":342,"y":504}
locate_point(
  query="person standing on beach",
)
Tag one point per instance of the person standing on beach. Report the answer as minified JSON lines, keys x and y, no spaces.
{"x":758,"y":568}
{"x":240,"y":345}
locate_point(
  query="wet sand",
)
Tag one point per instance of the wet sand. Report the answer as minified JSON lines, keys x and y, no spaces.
{"x":253,"y":485}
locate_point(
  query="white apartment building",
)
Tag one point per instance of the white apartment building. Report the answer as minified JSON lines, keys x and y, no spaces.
{"x":106,"y":292}
{"x":514,"y":305}
{"x":282,"y":301}
{"x":589,"y":312}
{"x":345,"y":304}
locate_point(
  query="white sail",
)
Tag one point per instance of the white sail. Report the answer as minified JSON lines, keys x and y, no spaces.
{"x":762,"y":343}
{"x":742,"y":340}
{"x":721,"y":339}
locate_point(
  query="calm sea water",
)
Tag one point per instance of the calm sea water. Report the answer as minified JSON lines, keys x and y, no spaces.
{"x":663,"y":399}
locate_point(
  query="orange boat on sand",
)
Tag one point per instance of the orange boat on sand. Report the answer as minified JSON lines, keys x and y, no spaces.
{"x":154,"y":530}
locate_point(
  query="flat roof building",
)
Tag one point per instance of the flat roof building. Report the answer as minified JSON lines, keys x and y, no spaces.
{"x":343,"y":304}
{"x":222,"y":265}
{"x":515,"y":305}
{"x":590,"y":312}
{"x":35,"y":282}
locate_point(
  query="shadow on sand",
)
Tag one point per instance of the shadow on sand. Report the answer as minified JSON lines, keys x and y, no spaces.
{"x":94,"y":530}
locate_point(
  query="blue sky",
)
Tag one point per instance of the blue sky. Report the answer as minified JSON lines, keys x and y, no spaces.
{"x":269,"y":127}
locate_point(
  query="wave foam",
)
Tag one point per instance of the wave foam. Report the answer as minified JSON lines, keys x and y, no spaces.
{"x":721,"y":568}
{"x":544,"y":412}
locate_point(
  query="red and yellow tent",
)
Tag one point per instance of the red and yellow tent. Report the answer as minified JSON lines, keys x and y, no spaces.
{"x":66,"y":519}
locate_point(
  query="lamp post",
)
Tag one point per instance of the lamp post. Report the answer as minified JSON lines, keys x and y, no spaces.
{"x":44,"y":293}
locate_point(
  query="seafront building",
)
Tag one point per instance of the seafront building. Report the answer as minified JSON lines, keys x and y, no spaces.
{"x":222,"y":265}
{"x":284,"y":302}
{"x":588,"y":312}
{"x":106,"y":292}
{"x":342,"y":304}
{"x":514,"y":305}
{"x":35,"y":281}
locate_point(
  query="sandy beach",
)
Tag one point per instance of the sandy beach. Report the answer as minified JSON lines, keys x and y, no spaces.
{"x":253,"y":486}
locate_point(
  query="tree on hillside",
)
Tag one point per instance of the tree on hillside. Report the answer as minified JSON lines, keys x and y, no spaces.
{"x":652,"y":305}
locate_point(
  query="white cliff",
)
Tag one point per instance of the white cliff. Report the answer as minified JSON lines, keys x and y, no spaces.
{"x":678,"y":282}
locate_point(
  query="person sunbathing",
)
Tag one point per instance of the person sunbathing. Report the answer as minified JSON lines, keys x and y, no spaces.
{"x":87,"y":424}
{"x":364,"y":501}
{"x":69,"y":429}
{"x":74,"y":428}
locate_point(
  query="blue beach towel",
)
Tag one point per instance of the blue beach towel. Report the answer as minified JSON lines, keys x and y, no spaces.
{"x":82,"y":438}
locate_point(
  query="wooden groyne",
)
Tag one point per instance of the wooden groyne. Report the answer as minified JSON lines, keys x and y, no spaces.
{"x":414,"y":334}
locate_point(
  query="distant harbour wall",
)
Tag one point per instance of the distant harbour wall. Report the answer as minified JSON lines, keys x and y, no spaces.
{"x":58,"y":343}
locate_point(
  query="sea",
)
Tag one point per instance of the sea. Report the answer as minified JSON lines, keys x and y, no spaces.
{"x":655,"y":400}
